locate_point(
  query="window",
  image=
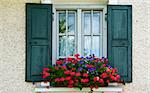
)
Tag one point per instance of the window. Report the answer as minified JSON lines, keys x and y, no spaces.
{"x":89,"y":33}
{"x":78,"y":29}
{"x":66,"y":27}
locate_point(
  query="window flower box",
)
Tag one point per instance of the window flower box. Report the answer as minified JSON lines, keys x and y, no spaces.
{"x":81,"y":72}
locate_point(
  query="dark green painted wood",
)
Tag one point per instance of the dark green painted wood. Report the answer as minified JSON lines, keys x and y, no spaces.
{"x":120,"y":39}
{"x":38,"y":40}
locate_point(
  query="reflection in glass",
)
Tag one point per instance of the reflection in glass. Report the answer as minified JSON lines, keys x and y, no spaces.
{"x":71,"y":22}
{"x":62,"y":22}
{"x":87,"y":22}
{"x":87,"y":45}
{"x":71,"y":46}
{"x":96,"y":22}
{"x":62,"y":45}
{"x":96,"y":46}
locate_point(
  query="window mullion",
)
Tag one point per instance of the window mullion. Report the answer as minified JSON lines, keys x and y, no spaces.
{"x":91,"y":30}
{"x":66,"y":32}
{"x":79,"y":32}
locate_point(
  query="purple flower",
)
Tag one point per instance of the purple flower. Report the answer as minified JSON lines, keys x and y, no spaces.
{"x":91,"y":69}
{"x":80,"y":68}
{"x":81,"y":62}
{"x":54,"y":64}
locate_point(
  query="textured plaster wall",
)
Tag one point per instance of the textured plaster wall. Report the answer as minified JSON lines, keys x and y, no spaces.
{"x":12,"y":47}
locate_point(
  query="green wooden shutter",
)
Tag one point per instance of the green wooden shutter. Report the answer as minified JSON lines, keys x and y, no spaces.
{"x":38,"y":40}
{"x":120,"y":39}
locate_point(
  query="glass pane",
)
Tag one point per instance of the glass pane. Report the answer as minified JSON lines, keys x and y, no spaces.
{"x":62,"y":45}
{"x":87,"y":22}
{"x":71,"y":22}
{"x":96,"y":46}
{"x":96,"y":22}
{"x":87,"y":45}
{"x":62,"y":22}
{"x":71,"y":46}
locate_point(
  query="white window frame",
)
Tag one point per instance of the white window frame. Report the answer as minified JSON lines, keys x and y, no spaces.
{"x":79,"y":8}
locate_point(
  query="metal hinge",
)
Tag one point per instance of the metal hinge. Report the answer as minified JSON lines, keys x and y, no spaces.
{"x":106,"y":16}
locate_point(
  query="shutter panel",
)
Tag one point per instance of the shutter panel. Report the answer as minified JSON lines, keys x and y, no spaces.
{"x":120,"y":39}
{"x":38,"y":40}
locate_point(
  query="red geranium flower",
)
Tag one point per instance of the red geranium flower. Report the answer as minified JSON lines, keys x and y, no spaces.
{"x":101,"y":81}
{"x":56,"y":68}
{"x":85,"y":75}
{"x":84,"y":80}
{"x":45,"y":69}
{"x":118,"y":77}
{"x":45,"y":74}
{"x":68,"y":78}
{"x":95,"y":79}
{"x":62,"y":79}
{"x":67,"y":72}
{"x":78,"y":74}
{"x":58,"y":62}
{"x":71,"y":82}
{"x":57,"y":80}
{"x":77,"y":55}
{"x":104,"y":75}
{"x":69,"y":59}
{"x":72,"y":73}
{"x":70,"y":86}
{"x":64,"y":67}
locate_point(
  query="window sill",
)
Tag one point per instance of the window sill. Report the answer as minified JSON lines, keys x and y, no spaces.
{"x":110,"y":88}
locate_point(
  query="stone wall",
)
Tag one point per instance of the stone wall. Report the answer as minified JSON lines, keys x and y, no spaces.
{"x":12,"y":46}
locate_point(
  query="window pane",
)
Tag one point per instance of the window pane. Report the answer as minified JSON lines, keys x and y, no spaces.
{"x":71,"y":46}
{"x":87,"y":45}
{"x":62,"y":22}
{"x":62,"y":45}
{"x":96,"y":46}
{"x":71,"y":22}
{"x":96,"y":22}
{"x":87,"y":23}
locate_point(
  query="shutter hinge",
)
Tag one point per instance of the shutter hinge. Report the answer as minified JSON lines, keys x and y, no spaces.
{"x":106,"y":16}
{"x":52,"y":16}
